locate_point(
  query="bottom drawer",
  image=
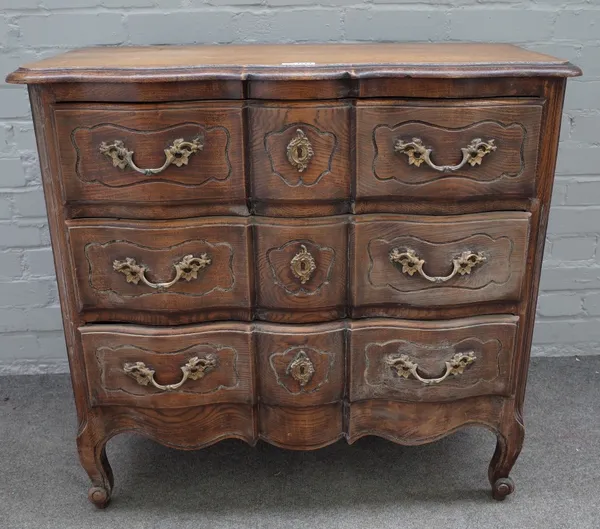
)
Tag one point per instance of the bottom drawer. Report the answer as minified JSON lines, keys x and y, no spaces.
{"x":432,"y":361}
{"x":168,"y":367}
{"x":298,"y":366}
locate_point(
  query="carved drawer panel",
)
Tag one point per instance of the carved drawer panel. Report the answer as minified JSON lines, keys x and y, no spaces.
{"x":438,"y":261}
{"x":301,"y":268}
{"x":300,"y":155}
{"x":444,"y":151}
{"x":300,"y":367}
{"x":432,"y":361}
{"x":152,"y":161}
{"x":162,"y":272}
{"x":176,"y":367}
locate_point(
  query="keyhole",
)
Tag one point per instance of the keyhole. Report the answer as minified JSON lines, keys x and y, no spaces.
{"x":299,"y":152}
{"x":302,"y":370}
{"x":303,"y":266}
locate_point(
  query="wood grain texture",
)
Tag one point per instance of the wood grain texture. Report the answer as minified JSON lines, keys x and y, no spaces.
{"x":450,"y":88}
{"x":325,"y":183}
{"x":187,"y":428}
{"x":430,"y":345}
{"x":421,"y":422}
{"x":512,"y":433}
{"x":108,"y":348}
{"x":301,"y":428}
{"x":291,"y":61}
{"x":306,"y":89}
{"x":273,"y":347}
{"x":445,"y":128}
{"x":303,"y":90}
{"x":277,"y":347}
{"x":281,"y":296}
{"x":213,"y":176}
{"x":91,"y":431}
{"x":442,"y":206}
{"x":223,"y":288}
{"x":501,"y":237}
{"x":159,"y":92}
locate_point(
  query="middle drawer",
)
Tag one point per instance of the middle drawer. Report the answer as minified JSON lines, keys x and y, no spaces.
{"x":163,"y":273}
{"x":296,"y":270}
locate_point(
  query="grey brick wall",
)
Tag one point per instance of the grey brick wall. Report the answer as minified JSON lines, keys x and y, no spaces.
{"x":569,"y":307}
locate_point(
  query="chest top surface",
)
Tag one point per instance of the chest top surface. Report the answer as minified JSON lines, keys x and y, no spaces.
{"x":291,"y":61}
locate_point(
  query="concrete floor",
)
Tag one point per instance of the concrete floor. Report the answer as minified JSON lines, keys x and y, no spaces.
{"x":371,"y":485}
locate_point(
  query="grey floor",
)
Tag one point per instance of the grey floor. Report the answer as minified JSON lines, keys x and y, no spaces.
{"x":372,"y":484}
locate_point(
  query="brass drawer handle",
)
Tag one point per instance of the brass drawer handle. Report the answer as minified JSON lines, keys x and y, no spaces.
{"x":404,"y":366}
{"x":303,"y":264}
{"x":195,"y":369}
{"x":301,"y":368}
{"x":411,"y":263}
{"x":186,"y":269}
{"x":299,"y":151}
{"x":417,"y":153}
{"x":177,"y":154}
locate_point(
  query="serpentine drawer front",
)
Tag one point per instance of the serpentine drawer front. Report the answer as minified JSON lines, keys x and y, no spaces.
{"x":432,"y":361}
{"x":177,"y":160}
{"x":300,"y":243}
{"x":301,"y":268}
{"x":432,"y":150}
{"x":438,"y":261}
{"x":163,"y":273}
{"x":139,"y":366}
{"x":300,"y":154}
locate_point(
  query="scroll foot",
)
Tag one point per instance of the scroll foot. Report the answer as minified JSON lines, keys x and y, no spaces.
{"x":99,"y":496}
{"x":502,"y":488}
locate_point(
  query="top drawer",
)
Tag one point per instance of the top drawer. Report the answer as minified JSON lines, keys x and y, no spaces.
{"x":445,"y":151}
{"x":300,"y":158}
{"x":152,"y":161}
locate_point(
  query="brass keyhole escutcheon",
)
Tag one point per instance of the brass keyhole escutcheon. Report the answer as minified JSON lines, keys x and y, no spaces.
{"x":301,"y":368}
{"x":303,"y":264}
{"x":299,"y":151}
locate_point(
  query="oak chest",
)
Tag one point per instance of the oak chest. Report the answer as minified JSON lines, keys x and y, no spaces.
{"x":297,"y":243}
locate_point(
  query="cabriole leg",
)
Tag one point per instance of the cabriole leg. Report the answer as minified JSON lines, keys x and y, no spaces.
{"x":508,"y":447}
{"x":92,"y":455}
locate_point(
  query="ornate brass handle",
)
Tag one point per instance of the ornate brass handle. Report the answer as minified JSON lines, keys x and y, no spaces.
{"x":299,"y":151}
{"x":417,"y":153}
{"x":301,"y":369}
{"x":186,"y":269}
{"x":177,"y":154}
{"x":411,"y":263}
{"x":195,"y":369}
{"x":303,"y":264}
{"x":404,"y":366}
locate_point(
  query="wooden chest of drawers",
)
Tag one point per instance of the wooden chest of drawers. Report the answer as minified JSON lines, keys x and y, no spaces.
{"x":297,"y":243}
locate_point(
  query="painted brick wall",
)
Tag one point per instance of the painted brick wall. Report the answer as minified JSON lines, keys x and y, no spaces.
{"x":569,"y":307}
